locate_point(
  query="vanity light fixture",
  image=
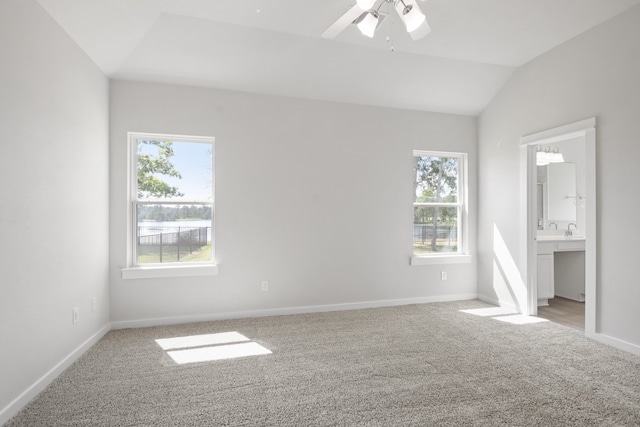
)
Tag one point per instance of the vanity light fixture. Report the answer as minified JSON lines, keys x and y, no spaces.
{"x":542,"y":155}
{"x":547,"y":154}
{"x":556,"y":156}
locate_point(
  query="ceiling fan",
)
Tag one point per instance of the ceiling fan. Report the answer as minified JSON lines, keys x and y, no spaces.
{"x":367,"y":17}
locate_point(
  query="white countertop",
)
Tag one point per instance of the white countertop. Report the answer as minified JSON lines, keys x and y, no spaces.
{"x":558,"y":238}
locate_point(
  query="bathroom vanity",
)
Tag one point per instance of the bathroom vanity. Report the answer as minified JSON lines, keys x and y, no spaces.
{"x":560,"y":267}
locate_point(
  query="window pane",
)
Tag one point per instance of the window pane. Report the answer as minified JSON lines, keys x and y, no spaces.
{"x":174,"y":170}
{"x":436,"y":179}
{"x":435,"y":229}
{"x":173,"y":233}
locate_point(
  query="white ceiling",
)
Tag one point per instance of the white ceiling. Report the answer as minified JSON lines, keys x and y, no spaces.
{"x":274,"y":46}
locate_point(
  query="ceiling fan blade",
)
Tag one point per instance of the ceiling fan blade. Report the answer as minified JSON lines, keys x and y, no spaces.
{"x":343,"y":22}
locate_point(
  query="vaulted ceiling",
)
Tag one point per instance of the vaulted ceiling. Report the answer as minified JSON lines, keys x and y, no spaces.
{"x":274,"y":46}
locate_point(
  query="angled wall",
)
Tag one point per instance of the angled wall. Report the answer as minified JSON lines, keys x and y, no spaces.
{"x":54,"y":210}
{"x":593,"y":75}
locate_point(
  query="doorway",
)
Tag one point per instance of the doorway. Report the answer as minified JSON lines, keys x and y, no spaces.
{"x":582,"y":133}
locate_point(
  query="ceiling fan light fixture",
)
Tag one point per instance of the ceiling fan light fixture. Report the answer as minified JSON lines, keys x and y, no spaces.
{"x":413,"y":17}
{"x":367,"y":16}
{"x":368,"y":24}
{"x":365,"y":4}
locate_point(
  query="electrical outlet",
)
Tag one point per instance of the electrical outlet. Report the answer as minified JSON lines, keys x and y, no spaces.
{"x":94,"y":304}
{"x":443,"y":275}
{"x":76,"y":315}
{"x":265,"y":285}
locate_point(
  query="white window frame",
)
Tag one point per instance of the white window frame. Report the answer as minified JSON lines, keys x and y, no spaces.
{"x":462,"y":254}
{"x":159,"y":270}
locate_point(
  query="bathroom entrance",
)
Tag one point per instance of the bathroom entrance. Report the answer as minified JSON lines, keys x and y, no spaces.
{"x":560,"y":227}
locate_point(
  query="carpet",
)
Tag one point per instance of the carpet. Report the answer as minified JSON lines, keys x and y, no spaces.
{"x":415,"y":365}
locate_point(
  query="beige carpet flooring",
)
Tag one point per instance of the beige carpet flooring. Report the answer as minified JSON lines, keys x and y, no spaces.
{"x":416,"y":365}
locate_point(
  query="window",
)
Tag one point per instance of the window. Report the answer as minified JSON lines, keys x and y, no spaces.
{"x":438,"y":203}
{"x":172,"y":200}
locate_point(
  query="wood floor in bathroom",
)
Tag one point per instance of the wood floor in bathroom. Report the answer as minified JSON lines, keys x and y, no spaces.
{"x":564,"y":311}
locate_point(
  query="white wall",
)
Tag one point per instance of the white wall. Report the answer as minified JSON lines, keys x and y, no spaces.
{"x":594,"y":74}
{"x":314,"y":197}
{"x":54,"y":192}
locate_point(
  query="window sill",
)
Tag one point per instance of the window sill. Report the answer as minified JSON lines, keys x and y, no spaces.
{"x":440,"y":259}
{"x":169,"y":271}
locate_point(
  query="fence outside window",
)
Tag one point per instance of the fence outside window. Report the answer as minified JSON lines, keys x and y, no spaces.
{"x":446,"y":237}
{"x":170,"y":244}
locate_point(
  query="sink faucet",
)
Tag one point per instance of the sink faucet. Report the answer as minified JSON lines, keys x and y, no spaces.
{"x":569,"y":232}
{"x":554,"y":224}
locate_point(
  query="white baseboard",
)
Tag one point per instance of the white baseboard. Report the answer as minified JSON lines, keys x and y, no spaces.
{"x":29,"y":394}
{"x":142,"y":323}
{"x":616,"y":343}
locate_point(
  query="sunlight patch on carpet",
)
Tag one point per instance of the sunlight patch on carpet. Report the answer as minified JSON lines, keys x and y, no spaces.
{"x":210,"y":347}
{"x":504,"y":314}
{"x":490,"y":311}
{"x":201,"y":340}
{"x":220,"y":352}
{"x":520,"y":319}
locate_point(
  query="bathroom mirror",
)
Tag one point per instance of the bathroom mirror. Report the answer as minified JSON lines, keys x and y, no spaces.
{"x":561,"y":192}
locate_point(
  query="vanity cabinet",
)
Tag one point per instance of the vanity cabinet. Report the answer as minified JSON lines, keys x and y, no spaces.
{"x":545,"y":278}
{"x":546,"y":265}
